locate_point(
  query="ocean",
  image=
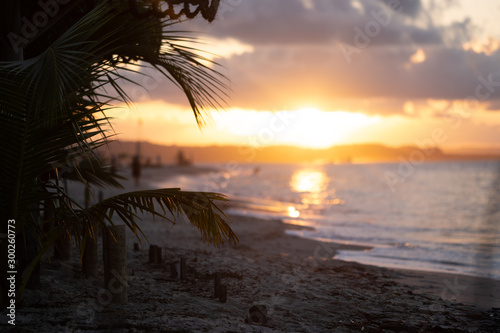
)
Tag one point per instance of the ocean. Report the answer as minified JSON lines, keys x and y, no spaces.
{"x":442,"y":216}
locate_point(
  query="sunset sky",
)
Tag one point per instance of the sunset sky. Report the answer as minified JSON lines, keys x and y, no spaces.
{"x":316,"y":73}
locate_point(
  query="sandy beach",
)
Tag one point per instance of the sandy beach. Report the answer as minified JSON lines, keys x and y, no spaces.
{"x":292,"y":284}
{"x":357,"y":143}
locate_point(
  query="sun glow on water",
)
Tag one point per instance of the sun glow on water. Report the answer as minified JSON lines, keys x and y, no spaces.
{"x":293,"y":212}
{"x":309,"y":181}
{"x":314,"y":188}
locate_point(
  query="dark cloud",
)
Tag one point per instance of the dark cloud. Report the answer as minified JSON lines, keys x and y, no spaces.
{"x":299,"y":58}
{"x":494,"y":105}
{"x":411,"y":8}
{"x":458,"y":33}
{"x":288,"y":22}
{"x":380,"y":80}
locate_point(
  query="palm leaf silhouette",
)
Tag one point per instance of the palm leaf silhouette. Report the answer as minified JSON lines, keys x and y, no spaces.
{"x":53,"y":115}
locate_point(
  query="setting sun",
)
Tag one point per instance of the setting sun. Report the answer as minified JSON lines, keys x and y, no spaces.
{"x":308,"y":127}
{"x":172,"y":124}
{"x":297,"y":165}
{"x":318,"y":129}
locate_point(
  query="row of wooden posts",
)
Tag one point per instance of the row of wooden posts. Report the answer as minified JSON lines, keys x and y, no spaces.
{"x":178,"y":270}
{"x":115,"y":262}
{"x":114,"y":255}
{"x":115,"y":265}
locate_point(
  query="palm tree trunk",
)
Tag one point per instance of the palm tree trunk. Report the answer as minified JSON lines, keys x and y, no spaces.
{"x":62,"y":248}
{"x":89,"y":259}
{"x":115,"y":264}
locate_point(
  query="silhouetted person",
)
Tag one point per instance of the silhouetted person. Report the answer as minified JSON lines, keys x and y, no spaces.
{"x":182,"y":160}
{"x":136,"y":169}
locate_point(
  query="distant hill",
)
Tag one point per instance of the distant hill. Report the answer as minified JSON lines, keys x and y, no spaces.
{"x":361,"y":153}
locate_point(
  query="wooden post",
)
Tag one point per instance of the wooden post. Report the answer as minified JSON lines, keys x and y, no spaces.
{"x":62,"y":249}
{"x":223,"y":293}
{"x":89,"y":260}
{"x":183,"y":268}
{"x":152,"y":254}
{"x":115,"y":263}
{"x":217,"y":284}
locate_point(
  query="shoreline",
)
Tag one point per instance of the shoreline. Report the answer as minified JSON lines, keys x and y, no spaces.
{"x":170,"y":171}
{"x":173,"y":170}
{"x":302,"y":287}
{"x":461,"y":288}
{"x":475,"y":290}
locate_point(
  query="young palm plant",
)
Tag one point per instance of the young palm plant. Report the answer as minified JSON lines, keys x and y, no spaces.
{"x":53,"y":113}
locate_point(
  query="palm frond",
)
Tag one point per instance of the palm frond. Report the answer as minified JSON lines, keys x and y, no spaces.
{"x":199,"y":208}
{"x":53,"y":112}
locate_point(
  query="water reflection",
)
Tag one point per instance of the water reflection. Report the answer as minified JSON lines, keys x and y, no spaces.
{"x":293,"y":212}
{"x":309,"y":181}
{"x":315,"y":192}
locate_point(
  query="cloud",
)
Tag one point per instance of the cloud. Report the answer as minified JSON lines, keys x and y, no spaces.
{"x":411,"y":8}
{"x":380,"y":80}
{"x":291,"y":57}
{"x":288,"y":22}
{"x":493,"y":105}
{"x":274,"y":77}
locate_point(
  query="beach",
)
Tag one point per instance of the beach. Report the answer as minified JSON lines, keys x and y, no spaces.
{"x":292,"y":284}
{"x":343,"y":156}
